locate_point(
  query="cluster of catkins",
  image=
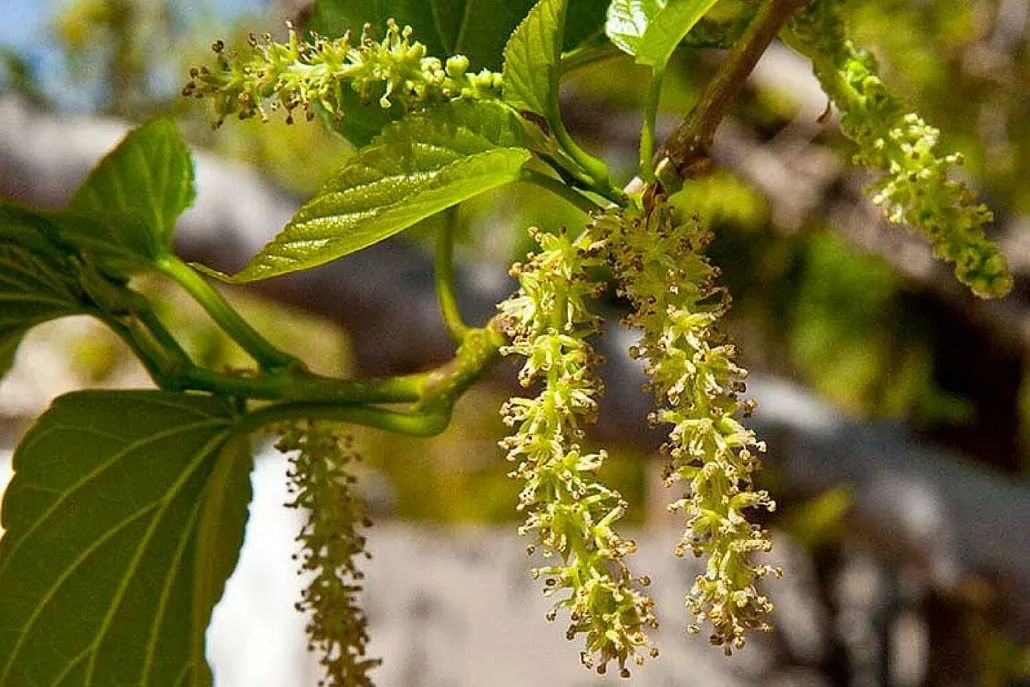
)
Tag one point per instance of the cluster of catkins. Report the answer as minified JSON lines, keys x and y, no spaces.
{"x":917,"y":188}
{"x":308,"y":74}
{"x":570,"y":514}
{"x":322,"y":485}
{"x":658,"y":264}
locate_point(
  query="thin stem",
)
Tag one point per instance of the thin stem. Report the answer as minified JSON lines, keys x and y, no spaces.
{"x":647,"y":134}
{"x":266,"y":355}
{"x":421,"y":424}
{"x":299,"y":385}
{"x":440,"y":388}
{"x":560,"y":189}
{"x":686,"y":150}
{"x":443,"y":277}
{"x":587,"y":54}
{"x":161,"y":363}
{"x":595,"y":168}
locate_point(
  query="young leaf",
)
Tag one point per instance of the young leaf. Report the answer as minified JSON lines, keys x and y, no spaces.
{"x":668,"y":29}
{"x":149,"y":175}
{"x":532,"y":57}
{"x":120,"y":245}
{"x":37,"y":282}
{"x":650,"y":30}
{"x":124,"y":518}
{"x":476,"y":29}
{"x":628,"y":20}
{"x":417,"y":167}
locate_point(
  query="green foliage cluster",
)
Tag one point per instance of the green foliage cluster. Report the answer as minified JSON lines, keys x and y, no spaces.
{"x":102,"y":510}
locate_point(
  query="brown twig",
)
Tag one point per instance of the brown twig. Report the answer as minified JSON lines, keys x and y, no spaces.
{"x":686,"y":149}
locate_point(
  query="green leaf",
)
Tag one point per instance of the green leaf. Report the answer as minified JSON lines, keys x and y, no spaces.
{"x":669,"y":28}
{"x":477,"y":29}
{"x":120,"y":245}
{"x":420,"y":165}
{"x":149,"y":175}
{"x":650,"y":30}
{"x":124,"y":518}
{"x":628,"y":20}
{"x":532,"y":57}
{"x":37,"y":281}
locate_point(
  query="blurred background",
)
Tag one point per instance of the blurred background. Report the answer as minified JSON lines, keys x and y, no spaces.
{"x":896,"y":405}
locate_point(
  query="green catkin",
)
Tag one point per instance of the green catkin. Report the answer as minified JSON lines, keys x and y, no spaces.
{"x":658,"y":263}
{"x":322,"y":484}
{"x":569,"y":512}
{"x":917,"y":188}
{"x":305,"y":74}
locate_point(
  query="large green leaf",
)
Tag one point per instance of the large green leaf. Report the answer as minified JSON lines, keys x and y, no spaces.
{"x":149,"y":175}
{"x":650,"y":30}
{"x":532,"y":57}
{"x":37,"y":282}
{"x":420,"y":165}
{"x":477,"y":29}
{"x":124,"y":518}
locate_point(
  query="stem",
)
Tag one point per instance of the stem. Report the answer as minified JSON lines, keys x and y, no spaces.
{"x":558,"y":188}
{"x":594,"y":167}
{"x":291,"y":384}
{"x":647,"y":134}
{"x":686,"y":150}
{"x":410,"y":423}
{"x":267,"y":356}
{"x":588,"y":54}
{"x":161,"y":362}
{"x":443,"y":278}
{"x":439,"y":389}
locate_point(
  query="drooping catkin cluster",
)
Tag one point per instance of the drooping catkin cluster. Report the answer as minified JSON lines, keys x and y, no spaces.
{"x":659,"y":265}
{"x":304,"y":74}
{"x":322,"y":484}
{"x":570,"y":513}
{"x":917,"y":188}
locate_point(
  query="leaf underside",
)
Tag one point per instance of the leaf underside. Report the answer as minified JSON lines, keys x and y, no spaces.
{"x":37,"y":282}
{"x":124,"y":518}
{"x":419,"y":166}
{"x":650,"y":30}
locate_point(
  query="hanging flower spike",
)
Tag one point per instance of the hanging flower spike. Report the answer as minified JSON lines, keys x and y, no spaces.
{"x":322,"y":485}
{"x":304,"y":74}
{"x":917,"y":188}
{"x":570,"y":513}
{"x":658,"y":262}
